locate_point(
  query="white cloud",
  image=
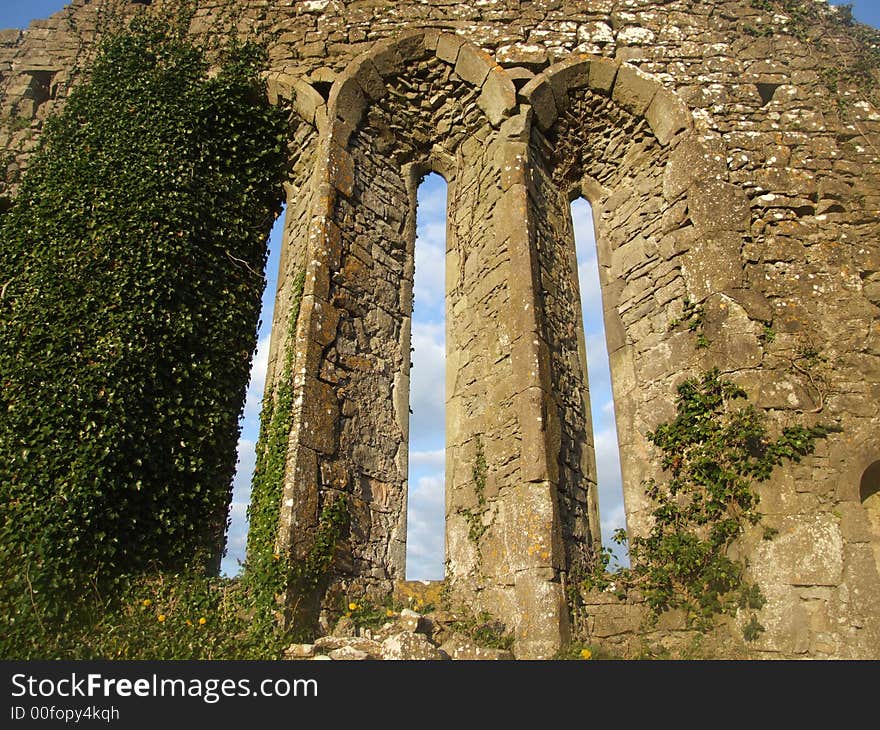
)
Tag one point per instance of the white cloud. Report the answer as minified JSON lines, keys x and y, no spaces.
{"x":254,"y":398}
{"x":591,"y":296}
{"x":236,"y":537}
{"x":598,"y":368}
{"x":432,"y":198}
{"x":435,"y":459}
{"x":426,"y":517}
{"x":430,"y":280}
{"x":427,"y":386}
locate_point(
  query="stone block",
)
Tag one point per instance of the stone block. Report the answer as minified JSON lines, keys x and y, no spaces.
{"x":614,"y":619}
{"x":322,"y":317}
{"x":448,"y":45}
{"x":603,"y":71}
{"x":347,"y":100}
{"x":299,"y":651}
{"x":527,"y":523}
{"x":387,"y":59}
{"x":633,"y":90}
{"x":9,"y":36}
{"x":340,"y":168}
{"x":306,"y":100}
{"x":320,"y":415}
{"x":712,"y":265}
{"x":694,"y":159}
{"x":569,"y":76}
{"x":348,"y":653}
{"x":716,"y":205}
{"x":473,"y":65}
{"x":410,"y":647}
{"x":464,"y":648}
{"x":733,"y":336}
{"x":522,"y":54}
{"x":807,"y":551}
{"x":539,"y":94}
{"x":411,"y":47}
{"x":511,"y":158}
{"x":537,"y":460}
{"x":628,"y":256}
{"x":498,"y":96}
{"x":541,"y":626}
{"x":667,"y":115}
{"x":413,"y":622}
{"x":370,"y":80}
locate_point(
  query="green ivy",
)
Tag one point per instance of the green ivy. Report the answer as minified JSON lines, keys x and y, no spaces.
{"x":131,"y":271}
{"x":474,"y":518}
{"x":713,"y":454}
{"x":693,"y":316}
{"x":853,"y":47}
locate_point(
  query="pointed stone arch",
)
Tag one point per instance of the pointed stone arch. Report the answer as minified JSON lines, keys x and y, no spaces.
{"x":604,"y":131}
{"x":423,"y":101}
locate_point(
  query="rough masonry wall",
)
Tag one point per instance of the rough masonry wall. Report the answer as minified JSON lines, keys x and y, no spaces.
{"x":758,"y":199}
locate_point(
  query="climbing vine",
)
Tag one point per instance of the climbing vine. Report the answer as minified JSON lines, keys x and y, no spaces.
{"x":474,"y":517}
{"x":714,"y":452}
{"x":854,"y":46}
{"x":131,"y":271}
{"x":693,"y":317}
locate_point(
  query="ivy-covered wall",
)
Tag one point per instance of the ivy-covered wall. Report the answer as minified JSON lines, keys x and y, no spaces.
{"x":132,"y":269}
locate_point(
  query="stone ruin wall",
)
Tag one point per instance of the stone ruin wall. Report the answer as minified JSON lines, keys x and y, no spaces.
{"x":720,"y":168}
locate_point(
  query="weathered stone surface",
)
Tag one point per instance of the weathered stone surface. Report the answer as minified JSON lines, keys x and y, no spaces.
{"x":299,"y":651}
{"x":409,"y":646}
{"x":633,"y":90}
{"x":348,"y":653}
{"x":720,"y":172}
{"x":473,"y":65}
{"x":463,"y":648}
{"x":667,"y":115}
{"x":498,"y":96}
{"x":539,"y":94}
{"x":718,"y":206}
{"x":413,"y":622}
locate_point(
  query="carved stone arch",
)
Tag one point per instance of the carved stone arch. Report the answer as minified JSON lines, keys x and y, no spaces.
{"x":869,"y":496}
{"x":607,"y":132}
{"x":858,"y":498}
{"x":423,"y":101}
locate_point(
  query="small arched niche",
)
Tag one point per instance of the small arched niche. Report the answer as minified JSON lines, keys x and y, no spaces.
{"x":869,"y":494}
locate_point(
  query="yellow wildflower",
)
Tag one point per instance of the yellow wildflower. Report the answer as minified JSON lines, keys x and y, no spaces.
{"x":203,"y":621}
{"x":586,"y":653}
{"x":189,"y":623}
{"x":352,"y":606}
{"x":147,"y":602}
{"x":161,"y":617}
{"x":389,"y":613}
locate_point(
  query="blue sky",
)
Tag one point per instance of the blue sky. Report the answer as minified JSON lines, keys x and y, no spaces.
{"x":427,"y":498}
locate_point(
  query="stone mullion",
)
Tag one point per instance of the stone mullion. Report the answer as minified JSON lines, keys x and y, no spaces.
{"x":530,"y":509}
{"x":315,"y":409}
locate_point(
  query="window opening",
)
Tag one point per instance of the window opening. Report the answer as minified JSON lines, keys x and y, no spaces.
{"x":610,"y":483}
{"x":426,"y":478}
{"x":249,"y":421}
